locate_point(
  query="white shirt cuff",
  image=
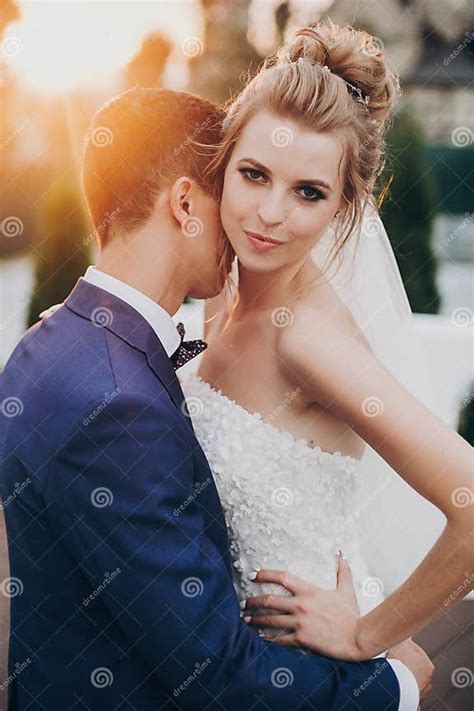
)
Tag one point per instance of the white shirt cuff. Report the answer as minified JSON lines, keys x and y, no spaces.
{"x":409,"y":692}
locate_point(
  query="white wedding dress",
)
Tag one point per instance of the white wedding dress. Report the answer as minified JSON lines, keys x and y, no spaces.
{"x":287,"y":505}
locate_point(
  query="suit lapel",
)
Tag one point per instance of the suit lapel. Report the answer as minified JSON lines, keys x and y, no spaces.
{"x":108,"y":311}
{"x":161,"y":365}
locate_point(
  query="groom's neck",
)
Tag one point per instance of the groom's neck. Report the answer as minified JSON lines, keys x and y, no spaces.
{"x":158,"y":274}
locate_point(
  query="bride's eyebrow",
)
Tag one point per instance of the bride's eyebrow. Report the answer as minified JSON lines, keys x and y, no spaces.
{"x":264,"y":169}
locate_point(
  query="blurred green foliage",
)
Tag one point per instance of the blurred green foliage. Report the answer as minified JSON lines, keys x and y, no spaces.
{"x":409,"y":209}
{"x":452,"y":170}
{"x":63,"y":252}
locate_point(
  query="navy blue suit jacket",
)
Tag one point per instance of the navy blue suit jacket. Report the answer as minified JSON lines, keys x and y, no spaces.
{"x":121,"y":589}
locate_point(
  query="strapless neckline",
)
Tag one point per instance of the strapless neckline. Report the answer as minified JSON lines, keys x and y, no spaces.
{"x":285,"y":434}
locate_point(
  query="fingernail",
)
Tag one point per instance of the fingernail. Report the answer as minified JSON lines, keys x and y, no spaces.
{"x":242,"y":604}
{"x":247,"y":618}
{"x":253,"y":575}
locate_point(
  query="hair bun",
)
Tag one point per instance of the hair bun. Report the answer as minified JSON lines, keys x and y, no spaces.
{"x":354,"y":55}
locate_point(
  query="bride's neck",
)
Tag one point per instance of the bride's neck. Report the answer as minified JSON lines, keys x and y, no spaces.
{"x":258,"y":292}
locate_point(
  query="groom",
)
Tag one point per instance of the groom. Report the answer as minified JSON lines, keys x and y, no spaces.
{"x":121,"y":589}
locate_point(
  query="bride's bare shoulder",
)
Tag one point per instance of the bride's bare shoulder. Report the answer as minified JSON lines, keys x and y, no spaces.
{"x":320,"y":323}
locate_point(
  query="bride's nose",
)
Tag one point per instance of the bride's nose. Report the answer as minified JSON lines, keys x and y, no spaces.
{"x":271,"y":210}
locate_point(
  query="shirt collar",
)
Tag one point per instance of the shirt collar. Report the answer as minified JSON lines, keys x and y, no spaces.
{"x":158,"y":318}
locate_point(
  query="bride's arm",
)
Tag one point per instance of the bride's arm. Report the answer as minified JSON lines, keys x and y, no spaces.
{"x":343,"y":375}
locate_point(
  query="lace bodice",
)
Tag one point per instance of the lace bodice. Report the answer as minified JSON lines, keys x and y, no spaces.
{"x":287,"y":505}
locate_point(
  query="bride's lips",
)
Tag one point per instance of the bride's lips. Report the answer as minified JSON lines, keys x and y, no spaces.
{"x":262,"y":243}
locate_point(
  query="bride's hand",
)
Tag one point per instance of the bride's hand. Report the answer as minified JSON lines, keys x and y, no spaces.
{"x":325,"y":621}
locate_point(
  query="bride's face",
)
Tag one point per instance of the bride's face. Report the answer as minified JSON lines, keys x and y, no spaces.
{"x":283,"y":181}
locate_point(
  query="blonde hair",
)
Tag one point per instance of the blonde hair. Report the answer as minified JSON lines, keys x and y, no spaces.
{"x":296,"y":84}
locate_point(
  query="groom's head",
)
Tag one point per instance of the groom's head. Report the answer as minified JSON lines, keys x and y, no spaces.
{"x":147,"y":185}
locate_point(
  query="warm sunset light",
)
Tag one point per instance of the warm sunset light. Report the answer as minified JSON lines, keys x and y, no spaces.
{"x":60,"y":46}
{"x":236,"y":355}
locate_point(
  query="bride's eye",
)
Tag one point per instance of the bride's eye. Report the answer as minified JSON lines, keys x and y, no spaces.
{"x":251,"y":174}
{"x":310,"y":194}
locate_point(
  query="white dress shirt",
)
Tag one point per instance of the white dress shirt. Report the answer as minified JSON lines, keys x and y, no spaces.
{"x":164,"y":327}
{"x":158,"y":318}
{"x":409,"y":692}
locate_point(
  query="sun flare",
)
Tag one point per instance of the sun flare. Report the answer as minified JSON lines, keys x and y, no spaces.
{"x":60,"y":46}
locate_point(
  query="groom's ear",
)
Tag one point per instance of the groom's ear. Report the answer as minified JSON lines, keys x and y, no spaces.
{"x":181,"y":199}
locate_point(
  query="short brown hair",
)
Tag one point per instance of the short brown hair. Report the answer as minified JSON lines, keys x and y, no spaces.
{"x":139,"y":142}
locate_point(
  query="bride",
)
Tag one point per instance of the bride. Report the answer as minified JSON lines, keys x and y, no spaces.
{"x":292,"y":391}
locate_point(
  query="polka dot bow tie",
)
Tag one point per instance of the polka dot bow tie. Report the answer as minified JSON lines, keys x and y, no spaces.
{"x":187,"y":350}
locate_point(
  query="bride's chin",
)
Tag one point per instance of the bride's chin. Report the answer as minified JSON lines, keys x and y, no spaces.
{"x":254,"y":263}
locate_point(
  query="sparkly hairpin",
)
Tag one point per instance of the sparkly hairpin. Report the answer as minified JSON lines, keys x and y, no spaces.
{"x":359,"y":94}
